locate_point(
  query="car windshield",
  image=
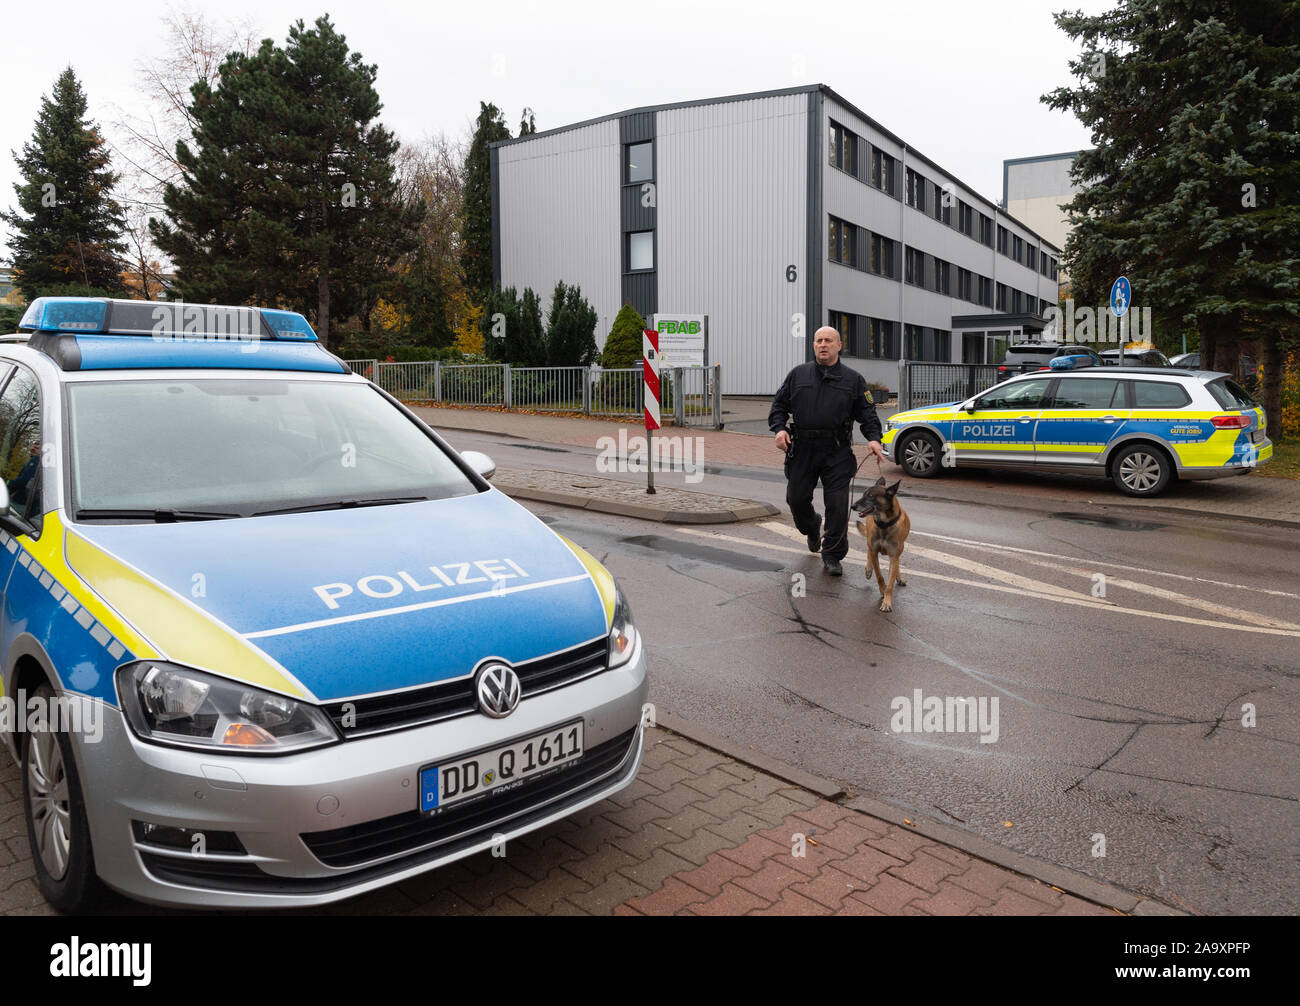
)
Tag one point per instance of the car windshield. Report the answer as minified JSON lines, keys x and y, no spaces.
{"x":240,"y":446}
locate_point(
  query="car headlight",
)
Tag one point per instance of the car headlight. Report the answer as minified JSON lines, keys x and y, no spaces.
{"x":177,"y":705}
{"x":622,"y":634}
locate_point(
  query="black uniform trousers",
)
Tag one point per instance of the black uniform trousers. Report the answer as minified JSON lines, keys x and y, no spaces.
{"x":808,"y":462}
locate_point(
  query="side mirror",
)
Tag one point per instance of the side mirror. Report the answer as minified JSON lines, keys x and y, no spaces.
{"x":968,"y":406}
{"x":480,"y":462}
{"x":10,"y":521}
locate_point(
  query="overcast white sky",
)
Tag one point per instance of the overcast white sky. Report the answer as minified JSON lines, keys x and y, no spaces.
{"x":957,"y":80}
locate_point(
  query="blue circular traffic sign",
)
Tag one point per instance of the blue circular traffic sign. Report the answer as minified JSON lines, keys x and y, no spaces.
{"x":1121,"y":295}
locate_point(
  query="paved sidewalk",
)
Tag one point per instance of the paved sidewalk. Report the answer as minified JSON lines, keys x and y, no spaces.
{"x":1255,"y":498}
{"x":698,"y":833}
{"x":606,"y":495}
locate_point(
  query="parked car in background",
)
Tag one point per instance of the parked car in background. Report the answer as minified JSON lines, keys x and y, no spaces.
{"x":1135,"y":358}
{"x":1134,"y":425}
{"x":1247,"y":369}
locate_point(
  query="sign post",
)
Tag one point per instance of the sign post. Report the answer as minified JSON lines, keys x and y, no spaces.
{"x":1121,"y":296}
{"x":650,"y":367}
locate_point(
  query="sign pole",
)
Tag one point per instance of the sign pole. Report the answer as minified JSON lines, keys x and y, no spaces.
{"x":1121,"y":296}
{"x":650,"y":360}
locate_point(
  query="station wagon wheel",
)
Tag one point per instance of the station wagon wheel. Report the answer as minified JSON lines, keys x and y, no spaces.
{"x":1141,"y":470}
{"x":918,"y":454}
{"x":57,"y":829}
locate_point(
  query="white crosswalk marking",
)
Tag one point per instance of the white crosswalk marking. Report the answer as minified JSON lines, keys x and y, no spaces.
{"x":1002,"y":581}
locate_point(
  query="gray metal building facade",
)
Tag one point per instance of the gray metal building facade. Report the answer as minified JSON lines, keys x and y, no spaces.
{"x":772,"y":213}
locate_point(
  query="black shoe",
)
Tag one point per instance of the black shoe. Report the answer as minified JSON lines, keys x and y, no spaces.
{"x":832,"y":567}
{"x":815,"y":537}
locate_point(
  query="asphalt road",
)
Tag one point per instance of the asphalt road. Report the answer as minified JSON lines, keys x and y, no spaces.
{"x":1145,"y":670}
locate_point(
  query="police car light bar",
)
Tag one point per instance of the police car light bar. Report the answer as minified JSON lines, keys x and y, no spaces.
{"x":162,"y":319}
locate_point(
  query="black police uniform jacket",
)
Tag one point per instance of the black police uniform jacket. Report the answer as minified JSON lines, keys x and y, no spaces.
{"x":825,"y":398}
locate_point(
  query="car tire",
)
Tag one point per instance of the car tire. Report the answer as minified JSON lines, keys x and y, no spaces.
{"x":918,"y":454}
{"x":1141,"y":470}
{"x":57,"y":828}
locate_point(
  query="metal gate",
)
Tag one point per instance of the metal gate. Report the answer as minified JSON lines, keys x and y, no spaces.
{"x":693,"y":395}
{"x":924,"y":384}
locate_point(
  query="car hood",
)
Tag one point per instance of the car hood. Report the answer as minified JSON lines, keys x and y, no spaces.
{"x":339,"y":603}
{"x":941,"y":411}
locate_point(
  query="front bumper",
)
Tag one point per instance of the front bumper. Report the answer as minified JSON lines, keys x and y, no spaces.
{"x":354,"y":803}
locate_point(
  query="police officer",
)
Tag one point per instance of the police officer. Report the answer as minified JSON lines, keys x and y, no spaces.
{"x":826,"y":398}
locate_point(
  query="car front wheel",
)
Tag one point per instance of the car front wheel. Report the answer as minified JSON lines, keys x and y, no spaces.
{"x":918,"y":454}
{"x":57,"y":829}
{"x":1141,"y":470}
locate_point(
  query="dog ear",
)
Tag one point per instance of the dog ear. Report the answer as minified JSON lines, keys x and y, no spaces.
{"x":893,"y":490}
{"x":880,"y":481}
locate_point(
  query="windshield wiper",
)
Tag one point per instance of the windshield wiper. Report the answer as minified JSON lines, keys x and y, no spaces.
{"x":343,"y":504}
{"x":158,"y":516}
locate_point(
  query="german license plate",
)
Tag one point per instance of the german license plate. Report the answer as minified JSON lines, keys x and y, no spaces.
{"x":499,"y":768}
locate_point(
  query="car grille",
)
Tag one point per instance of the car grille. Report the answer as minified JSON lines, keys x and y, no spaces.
{"x":400,"y":833}
{"x":418,"y":706}
{"x":454,"y":831}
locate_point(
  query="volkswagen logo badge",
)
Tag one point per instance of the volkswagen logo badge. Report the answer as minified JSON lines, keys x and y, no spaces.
{"x":498,"y":690}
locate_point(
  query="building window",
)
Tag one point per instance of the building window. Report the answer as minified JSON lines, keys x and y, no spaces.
{"x":882,"y":340}
{"x":964,"y":284}
{"x":1003,"y":234}
{"x":882,"y":256}
{"x":1017,"y":248}
{"x":942,"y":207}
{"x":965,"y":219}
{"x":916,"y":186}
{"x":843,"y":242}
{"x":942,"y":346}
{"x":639,"y":159}
{"x":1017,"y":302}
{"x":985,"y":292}
{"x":1001,"y":303}
{"x":942,"y":276}
{"x":882,"y":170}
{"x":640,"y":251}
{"x":842,"y":323}
{"x":844,"y":149}
{"x":1053,"y":261}
{"x":1031,"y":256}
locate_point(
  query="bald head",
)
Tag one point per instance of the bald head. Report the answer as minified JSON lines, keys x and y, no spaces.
{"x":826,"y":346}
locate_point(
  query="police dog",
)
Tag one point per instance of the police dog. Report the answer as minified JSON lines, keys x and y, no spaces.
{"x":885,"y":531}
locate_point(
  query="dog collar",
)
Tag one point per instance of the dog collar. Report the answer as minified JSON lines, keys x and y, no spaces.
{"x":890,"y":523}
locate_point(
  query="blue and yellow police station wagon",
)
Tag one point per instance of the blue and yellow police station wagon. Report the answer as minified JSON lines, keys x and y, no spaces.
{"x":267,"y":639}
{"x":1138,"y":426}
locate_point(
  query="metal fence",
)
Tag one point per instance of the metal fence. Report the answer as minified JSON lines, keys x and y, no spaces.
{"x":366,"y":368}
{"x":922,"y":384}
{"x":691,"y":396}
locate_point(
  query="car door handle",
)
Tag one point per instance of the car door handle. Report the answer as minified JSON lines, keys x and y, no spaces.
{"x":1109,"y":419}
{"x":1026,"y":419}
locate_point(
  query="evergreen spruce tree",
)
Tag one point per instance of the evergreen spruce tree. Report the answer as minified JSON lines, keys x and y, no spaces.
{"x":623,"y":345}
{"x":1193,"y":188}
{"x":570,"y":329}
{"x":67,"y":228}
{"x":288,"y":195}
{"x":476,"y":247}
{"x":512,"y":328}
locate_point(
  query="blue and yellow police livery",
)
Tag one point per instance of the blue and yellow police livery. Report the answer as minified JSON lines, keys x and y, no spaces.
{"x":267,"y":639}
{"x":1138,"y":426}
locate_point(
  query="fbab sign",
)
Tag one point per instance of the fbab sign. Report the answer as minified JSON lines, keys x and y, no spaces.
{"x":683,"y":339}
